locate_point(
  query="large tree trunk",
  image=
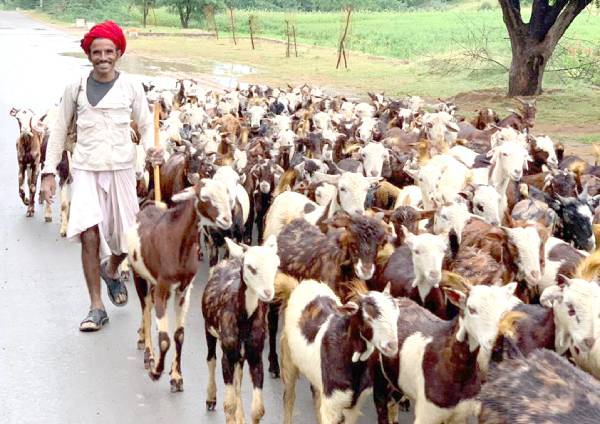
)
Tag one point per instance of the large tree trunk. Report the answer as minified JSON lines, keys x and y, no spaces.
{"x":534,"y":42}
{"x":527,"y":68}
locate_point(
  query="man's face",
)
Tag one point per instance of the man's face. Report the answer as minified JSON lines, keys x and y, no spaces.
{"x":103,"y":55}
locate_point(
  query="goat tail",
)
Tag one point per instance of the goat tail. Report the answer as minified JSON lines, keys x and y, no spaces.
{"x":351,"y":290}
{"x":596,"y":154}
{"x":589,"y":267}
{"x":384,"y":254}
{"x":385,"y":192}
{"x":578,"y":168}
{"x":455,"y":281}
{"x":508,"y":322}
{"x":284,"y":286}
{"x":286,"y":182}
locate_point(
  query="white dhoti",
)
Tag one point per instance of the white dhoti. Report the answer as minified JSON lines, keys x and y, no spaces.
{"x":107,"y":199}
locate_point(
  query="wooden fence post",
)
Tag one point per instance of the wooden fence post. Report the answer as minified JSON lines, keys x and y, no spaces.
{"x":251,"y":19}
{"x":295,"y":45}
{"x":287,"y":33}
{"x":342,"y":48}
{"x":232,"y":24}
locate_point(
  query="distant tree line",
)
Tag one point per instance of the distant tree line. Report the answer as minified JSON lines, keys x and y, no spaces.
{"x":186,"y":8}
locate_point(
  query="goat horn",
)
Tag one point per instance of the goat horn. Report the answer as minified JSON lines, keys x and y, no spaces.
{"x":584,"y":193}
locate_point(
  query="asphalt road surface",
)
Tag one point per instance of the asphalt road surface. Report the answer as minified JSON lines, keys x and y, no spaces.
{"x":49,"y":371}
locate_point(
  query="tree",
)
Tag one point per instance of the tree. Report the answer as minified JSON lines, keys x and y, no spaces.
{"x":534,"y":42}
{"x":188,"y":8}
{"x":145,"y":6}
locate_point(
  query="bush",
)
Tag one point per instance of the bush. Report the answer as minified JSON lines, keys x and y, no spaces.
{"x":485,"y":6}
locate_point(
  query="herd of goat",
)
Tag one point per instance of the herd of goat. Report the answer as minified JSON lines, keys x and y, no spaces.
{"x":412,"y":255}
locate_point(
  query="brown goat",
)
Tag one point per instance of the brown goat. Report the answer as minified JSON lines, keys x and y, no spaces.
{"x":29,"y":144}
{"x":163,"y":253}
{"x":485,"y":118}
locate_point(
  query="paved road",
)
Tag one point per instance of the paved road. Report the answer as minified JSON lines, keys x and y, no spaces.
{"x":49,"y":371}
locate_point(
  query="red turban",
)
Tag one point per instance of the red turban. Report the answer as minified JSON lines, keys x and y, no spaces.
{"x":107,"y":29}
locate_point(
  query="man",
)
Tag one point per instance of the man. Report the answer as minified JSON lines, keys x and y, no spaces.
{"x":103,"y":194}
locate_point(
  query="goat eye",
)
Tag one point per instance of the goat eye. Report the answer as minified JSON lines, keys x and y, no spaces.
{"x":504,"y":154}
{"x":252,"y":269}
{"x":472,"y":310}
{"x":417,"y":252}
{"x":571,"y":311}
{"x":479,"y":207}
{"x":342,"y":189}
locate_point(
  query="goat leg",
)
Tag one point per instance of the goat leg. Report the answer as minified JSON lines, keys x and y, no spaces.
{"x":143,"y":292}
{"x":21,"y":182}
{"x":238,"y":374}
{"x":162,"y":323}
{"x":254,"y":355}
{"x":32,"y":182}
{"x":273,"y":322}
{"x":228,"y":363}
{"x":211,"y":360}
{"x":182,"y":302}
{"x":290,"y":376}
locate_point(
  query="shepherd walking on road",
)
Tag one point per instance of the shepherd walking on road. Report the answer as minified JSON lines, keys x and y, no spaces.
{"x":103,"y":197}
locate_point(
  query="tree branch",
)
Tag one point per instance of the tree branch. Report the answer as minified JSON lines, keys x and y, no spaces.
{"x":554,"y":11}
{"x":564,"y":20}
{"x":511,"y":14}
{"x":537,"y":23}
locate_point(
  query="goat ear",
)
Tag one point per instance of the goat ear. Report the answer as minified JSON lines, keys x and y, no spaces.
{"x":510,"y":289}
{"x":235,"y":250}
{"x":452,"y":127}
{"x":408,"y":236}
{"x":563,"y":280}
{"x":271,"y":242}
{"x":456,"y":297}
{"x":182,"y":196}
{"x":348,"y":308}
{"x":388,"y":288}
{"x":550,"y":296}
{"x":331,"y":179}
{"x":426,"y":214}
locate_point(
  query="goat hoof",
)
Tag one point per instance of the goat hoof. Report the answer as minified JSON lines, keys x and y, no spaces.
{"x":154,"y":376}
{"x":140,"y":346}
{"x":29,"y":214}
{"x":148,"y":360}
{"x":48,"y":219}
{"x":274,"y":369}
{"x":211,"y":405}
{"x":63,"y":233}
{"x":176,"y":386}
{"x":404,"y":405}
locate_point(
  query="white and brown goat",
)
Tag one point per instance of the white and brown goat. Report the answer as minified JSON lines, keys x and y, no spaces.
{"x":235,"y":313}
{"x":330,"y":344}
{"x":437,"y":361}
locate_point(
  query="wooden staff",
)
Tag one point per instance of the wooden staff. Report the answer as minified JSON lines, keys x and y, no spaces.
{"x":157,"y":196}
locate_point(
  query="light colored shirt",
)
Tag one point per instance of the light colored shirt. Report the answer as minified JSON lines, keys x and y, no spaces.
{"x":103,"y":131}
